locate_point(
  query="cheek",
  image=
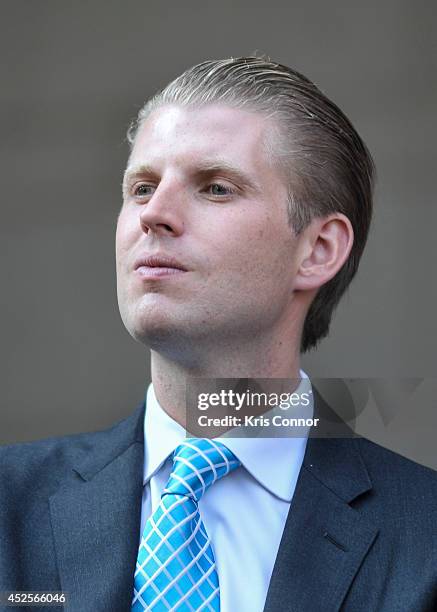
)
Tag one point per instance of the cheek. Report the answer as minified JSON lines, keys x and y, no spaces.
{"x":270,"y":274}
{"x":124,"y":235}
{"x":263,"y":240}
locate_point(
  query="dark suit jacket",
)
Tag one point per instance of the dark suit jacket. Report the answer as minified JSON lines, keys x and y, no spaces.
{"x":360,"y":534}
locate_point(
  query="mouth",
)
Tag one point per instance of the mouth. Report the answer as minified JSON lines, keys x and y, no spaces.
{"x":158,"y":266}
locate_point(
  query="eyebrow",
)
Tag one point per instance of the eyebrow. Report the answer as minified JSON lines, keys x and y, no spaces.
{"x":204,"y":168}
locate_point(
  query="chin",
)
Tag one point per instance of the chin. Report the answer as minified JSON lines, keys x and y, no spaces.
{"x":153,"y":336}
{"x":157,"y":330}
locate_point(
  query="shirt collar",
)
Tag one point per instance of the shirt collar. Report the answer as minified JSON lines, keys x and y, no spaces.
{"x":274,"y":462}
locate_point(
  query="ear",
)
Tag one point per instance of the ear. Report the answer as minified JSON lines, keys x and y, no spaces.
{"x":324,"y":247}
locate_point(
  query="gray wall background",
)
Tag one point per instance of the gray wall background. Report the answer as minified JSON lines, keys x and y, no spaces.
{"x":72,"y":77}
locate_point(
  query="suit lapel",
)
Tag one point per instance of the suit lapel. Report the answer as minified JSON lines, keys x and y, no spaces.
{"x":96,"y":518}
{"x":325,"y":540}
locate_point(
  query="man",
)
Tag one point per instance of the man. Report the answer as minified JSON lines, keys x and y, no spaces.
{"x":246,"y":206}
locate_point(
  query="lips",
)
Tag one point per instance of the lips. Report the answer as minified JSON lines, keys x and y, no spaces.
{"x":159,"y":261}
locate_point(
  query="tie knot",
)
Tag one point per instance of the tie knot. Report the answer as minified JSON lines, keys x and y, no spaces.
{"x":197,"y":464}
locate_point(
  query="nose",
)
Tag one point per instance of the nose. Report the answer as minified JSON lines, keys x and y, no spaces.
{"x":163,"y":213}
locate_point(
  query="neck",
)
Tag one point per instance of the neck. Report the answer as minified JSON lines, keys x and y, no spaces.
{"x":258,"y":357}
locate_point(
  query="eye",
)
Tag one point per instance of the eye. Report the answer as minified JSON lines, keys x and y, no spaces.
{"x":220,"y":190}
{"x":144,"y":190}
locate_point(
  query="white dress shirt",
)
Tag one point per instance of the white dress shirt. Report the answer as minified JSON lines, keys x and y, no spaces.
{"x":244,"y":513}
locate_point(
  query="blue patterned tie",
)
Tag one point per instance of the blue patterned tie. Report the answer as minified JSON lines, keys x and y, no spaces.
{"x":175,"y":566}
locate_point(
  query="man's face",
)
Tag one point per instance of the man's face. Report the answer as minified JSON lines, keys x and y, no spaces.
{"x":200,"y":188}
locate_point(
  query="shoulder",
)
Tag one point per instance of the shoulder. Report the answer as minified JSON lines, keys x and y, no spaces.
{"x":406,"y":487}
{"x":387,"y":464}
{"x":379,"y":482}
{"x":42,"y":465}
{"x":31,"y":465}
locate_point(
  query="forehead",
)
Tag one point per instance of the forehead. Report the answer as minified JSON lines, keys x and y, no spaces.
{"x":186,"y":135}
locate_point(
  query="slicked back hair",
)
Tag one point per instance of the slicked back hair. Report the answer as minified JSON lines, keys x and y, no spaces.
{"x":328,"y":167}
